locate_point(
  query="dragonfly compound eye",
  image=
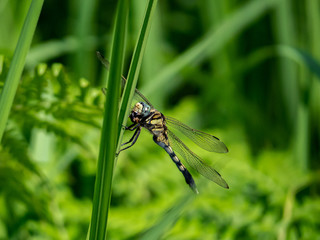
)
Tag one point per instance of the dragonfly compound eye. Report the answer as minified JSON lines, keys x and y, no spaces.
{"x":146,"y":109}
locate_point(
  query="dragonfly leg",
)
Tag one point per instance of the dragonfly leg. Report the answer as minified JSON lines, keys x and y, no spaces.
{"x":132,"y":140}
{"x":132,"y":127}
{"x":104,"y":91}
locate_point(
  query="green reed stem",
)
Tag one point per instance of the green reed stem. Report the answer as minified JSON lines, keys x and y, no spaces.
{"x":109,"y":133}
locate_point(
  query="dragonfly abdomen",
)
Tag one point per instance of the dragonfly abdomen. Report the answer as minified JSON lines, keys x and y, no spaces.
{"x":187,"y":176}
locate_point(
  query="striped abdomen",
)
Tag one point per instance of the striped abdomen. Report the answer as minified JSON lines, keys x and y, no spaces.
{"x":156,"y":124}
{"x":181,"y":167}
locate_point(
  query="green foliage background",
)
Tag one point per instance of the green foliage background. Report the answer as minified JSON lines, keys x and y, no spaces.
{"x":244,"y":71}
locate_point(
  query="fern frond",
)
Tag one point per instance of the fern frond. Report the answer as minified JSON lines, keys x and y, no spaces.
{"x":14,"y":144}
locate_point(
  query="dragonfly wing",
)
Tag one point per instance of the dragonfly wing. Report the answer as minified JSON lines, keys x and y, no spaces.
{"x":202,"y":139}
{"x":194,"y":161}
{"x":141,"y":98}
{"x":138,"y":95}
{"x":106,"y":64}
{"x":104,"y":61}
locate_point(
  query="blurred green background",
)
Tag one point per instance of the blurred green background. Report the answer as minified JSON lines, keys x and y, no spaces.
{"x":244,"y":71}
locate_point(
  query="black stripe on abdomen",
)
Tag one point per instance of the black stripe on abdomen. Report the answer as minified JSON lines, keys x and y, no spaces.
{"x":187,"y":176}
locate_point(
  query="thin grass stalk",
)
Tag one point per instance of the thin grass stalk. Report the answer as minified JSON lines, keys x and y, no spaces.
{"x":313,"y":20}
{"x":215,"y":13}
{"x":109,"y":133}
{"x":302,"y":141}
{"x":302,"y":136}
{"x":169,"y":218}
{"x":135,"y":67}
{"x":290,"y":78}
{"x":156,"y":38}
{"x":84,"y":59}
{"x":18,"y":61}
{"x":284,"y":25}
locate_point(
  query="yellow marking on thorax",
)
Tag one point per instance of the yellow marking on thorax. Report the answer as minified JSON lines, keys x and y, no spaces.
{"x":158,"y":126}
{"x":156,"y":121}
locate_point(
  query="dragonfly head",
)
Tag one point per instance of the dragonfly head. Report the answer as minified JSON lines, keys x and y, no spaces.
{"x":140,"y":110}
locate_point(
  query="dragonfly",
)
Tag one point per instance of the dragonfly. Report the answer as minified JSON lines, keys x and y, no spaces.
{"x":144,"y":115}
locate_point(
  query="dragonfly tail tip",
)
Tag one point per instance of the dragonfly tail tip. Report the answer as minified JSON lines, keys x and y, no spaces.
{"x":194,"y":188}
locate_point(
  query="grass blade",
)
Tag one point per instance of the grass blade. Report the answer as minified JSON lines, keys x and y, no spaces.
{"x":135,"y":65}
{"x":286,"y":34}
{"x":109,"y":134}
{"x":84,"y":59}
{"x":168,"y":219}
{"x":18,"y":61}
{"x":294,"y":54}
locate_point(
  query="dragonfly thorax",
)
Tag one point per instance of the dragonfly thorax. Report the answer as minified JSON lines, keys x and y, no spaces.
{"x":139,"y":111}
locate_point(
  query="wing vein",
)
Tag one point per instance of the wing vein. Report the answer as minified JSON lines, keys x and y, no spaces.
{"x":194,"y":161}
{"x":202,"y":139}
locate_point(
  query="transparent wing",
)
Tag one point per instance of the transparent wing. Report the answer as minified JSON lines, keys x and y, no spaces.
{"x":138,"y":95}
{"x":194,"y":161}
{"x":202,"y":139}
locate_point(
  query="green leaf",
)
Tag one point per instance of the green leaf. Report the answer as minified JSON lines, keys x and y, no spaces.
{"x":292,"y":53}
{"x":169,"y":218}
{"x":19,"y":57}
{"x":303,"y":57}
{"x":109,"y":133}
